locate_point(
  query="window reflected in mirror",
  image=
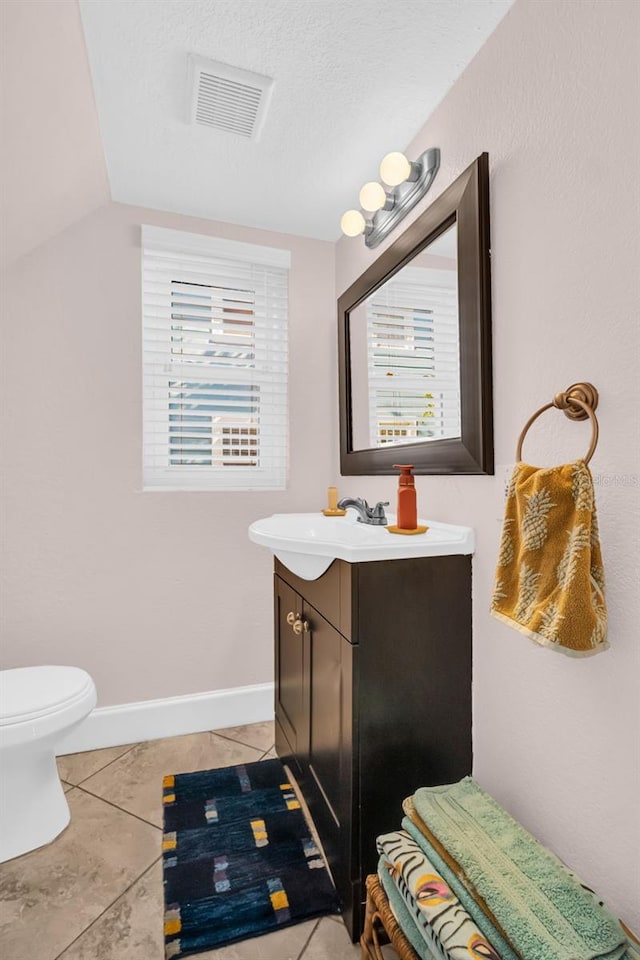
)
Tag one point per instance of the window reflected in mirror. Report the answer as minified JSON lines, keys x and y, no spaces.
{"x":405,"y":353}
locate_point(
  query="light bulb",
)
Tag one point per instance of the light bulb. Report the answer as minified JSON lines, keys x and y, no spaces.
{"x":372,"y":196}
{"x":395,"y":168}
{"x":352,"y":223}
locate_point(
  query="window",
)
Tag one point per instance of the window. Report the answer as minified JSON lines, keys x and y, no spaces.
{"x":215,"y":363}
{"x":413,"y":358}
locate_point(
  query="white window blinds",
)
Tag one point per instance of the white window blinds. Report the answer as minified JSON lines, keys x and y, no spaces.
{"x":413,"y":356}
{"x":215,"y":363}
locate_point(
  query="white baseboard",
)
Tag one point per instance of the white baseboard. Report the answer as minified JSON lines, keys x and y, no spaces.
{"x":152,"y":719}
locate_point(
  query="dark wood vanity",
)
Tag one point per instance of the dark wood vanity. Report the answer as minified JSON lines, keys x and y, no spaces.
{"x":373,"y":697}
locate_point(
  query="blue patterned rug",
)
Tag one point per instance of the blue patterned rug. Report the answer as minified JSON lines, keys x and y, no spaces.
{"x":239,"y":859}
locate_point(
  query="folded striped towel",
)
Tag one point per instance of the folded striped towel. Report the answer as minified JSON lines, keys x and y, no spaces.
{"x":440,"y":918}
{"x":404,"y":919}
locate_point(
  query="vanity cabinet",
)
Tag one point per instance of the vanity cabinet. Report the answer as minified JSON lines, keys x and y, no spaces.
{"x":372,"y":697}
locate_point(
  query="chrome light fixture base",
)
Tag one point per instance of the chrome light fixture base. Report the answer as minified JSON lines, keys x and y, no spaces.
{"x":404,"y":196}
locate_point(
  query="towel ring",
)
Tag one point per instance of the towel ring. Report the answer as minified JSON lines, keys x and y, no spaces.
{"x":578,"y":402}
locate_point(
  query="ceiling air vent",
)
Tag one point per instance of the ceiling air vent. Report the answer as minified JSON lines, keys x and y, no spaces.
{"x":228,"y":98}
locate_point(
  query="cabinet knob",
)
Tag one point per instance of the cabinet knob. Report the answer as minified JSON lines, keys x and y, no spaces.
{"x":297,"y":624}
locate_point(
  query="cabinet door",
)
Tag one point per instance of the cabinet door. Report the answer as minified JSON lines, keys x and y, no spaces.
{"x":291,"y":688}
{"x":327,"y":734}
{"x":331,"y":782}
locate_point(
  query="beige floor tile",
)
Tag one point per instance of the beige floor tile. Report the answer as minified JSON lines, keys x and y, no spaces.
{"x":48,"y":897}
{"x":134,"y":782}
{"x":131,"y":929}
{"x":259,"y":735}
{"x":76,"y":767}
{"x":66,"y":786}
{"x":272,"y":755}
{"x":331,"y":940}
{"x":387,"y":950}
{"x":284,"y":944}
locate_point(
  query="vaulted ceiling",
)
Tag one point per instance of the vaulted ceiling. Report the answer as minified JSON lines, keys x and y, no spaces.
{"x":353,"y":80}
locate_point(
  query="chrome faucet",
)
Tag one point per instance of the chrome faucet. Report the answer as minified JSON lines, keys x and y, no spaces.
{"x":366,"y":514}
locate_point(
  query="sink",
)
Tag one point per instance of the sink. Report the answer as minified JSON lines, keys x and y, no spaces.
{"x":308,"y":543}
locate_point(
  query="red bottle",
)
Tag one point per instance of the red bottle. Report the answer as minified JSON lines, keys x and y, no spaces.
{"x":407,"y":506}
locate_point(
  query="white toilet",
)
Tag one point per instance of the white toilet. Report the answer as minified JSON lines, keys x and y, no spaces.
{"x":38,"y":706}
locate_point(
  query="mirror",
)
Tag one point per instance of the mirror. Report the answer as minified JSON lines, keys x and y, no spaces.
{"x":404,"y":346}
{"x":415,"y":344}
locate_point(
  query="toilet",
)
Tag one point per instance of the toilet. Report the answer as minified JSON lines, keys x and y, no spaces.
{"x":38,"y":706}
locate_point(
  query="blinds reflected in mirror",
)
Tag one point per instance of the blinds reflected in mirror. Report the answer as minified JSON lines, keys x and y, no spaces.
{"x":413,"y":358}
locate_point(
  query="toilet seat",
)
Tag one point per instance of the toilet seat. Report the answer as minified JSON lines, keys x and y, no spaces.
{"x":39,"y":706}
{"x":31,"y":693}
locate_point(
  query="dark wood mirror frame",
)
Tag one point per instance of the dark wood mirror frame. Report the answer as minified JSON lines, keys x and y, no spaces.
{"x":466,"y":203}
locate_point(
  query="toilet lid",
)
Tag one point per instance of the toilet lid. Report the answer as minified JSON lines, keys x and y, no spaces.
{"x":30,"y":692}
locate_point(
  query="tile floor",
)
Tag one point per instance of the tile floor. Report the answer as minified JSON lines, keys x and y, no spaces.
{"x":96,"y":892}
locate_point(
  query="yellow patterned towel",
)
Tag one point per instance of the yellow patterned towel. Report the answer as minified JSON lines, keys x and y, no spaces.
{"x":550,"y":581}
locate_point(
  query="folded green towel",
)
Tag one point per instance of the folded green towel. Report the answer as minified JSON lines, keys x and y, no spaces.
{"x":544,"y":910}
{"x":466,"y":899}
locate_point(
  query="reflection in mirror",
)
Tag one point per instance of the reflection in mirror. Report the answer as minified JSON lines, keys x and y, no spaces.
{"x":405,"y":353}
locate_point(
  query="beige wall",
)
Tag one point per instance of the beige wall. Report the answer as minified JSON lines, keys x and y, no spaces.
{"x":156,"y":594}
{"x":53,"y":168}
{"x":553,"y":97}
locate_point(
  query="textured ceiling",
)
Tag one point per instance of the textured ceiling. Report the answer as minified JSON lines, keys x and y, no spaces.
{"x":353,"y":80}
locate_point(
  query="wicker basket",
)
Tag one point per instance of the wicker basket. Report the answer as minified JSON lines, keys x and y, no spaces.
{"x":380,"y":926}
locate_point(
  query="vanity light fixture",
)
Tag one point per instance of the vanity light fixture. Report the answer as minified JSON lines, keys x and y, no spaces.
{"x":373,"y":197}
{"x":409,"y":182}
{"x":352,"y":223}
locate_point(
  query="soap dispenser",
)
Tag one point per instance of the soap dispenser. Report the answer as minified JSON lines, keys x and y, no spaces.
{"x":407,"y":505}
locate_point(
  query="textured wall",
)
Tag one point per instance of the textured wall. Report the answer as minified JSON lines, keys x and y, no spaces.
{"x":156,"y":594}
{"x":553,"y":97}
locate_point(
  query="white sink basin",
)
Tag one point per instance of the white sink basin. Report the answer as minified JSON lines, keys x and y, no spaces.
{"x":308,"y":543}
